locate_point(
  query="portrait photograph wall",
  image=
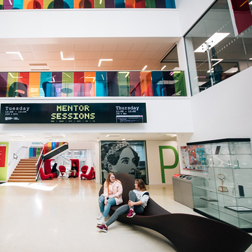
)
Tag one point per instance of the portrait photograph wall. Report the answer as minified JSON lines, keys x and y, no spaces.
{"x":124,"y":157}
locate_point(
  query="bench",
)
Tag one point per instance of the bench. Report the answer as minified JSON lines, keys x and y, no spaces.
{"x":188,"y":233}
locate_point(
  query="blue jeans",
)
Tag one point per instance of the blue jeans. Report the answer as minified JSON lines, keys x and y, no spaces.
{"x":125,"y":208}
{"x":105,"y":208}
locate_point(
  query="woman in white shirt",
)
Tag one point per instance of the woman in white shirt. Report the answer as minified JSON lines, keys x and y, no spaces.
{"x":112,"y":195}
{"x":138,"y":199}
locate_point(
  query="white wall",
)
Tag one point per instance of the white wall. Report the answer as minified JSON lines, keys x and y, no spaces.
{"x":164,"y":115}
{"x":191,"y":11}
{"x":153,"y":160}
{"x":85,"y":23}
{"x":19,"y":149}
{"x":224,"y":111}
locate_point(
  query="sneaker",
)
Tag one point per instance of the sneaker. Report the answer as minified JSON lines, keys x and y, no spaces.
{"x":102,"y":228}
{"x":131,"y":213}
{"x":99,"y":217}
{"x":101,"y":221}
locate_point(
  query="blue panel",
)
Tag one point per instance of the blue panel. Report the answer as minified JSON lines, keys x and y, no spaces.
{"x":53,"y":145}
{"x":170,"y":4}
{"x":119,"y":4}
{"x":157,"y":83}
{"x":101,"y":84}
{"x":30,"y":152}
{"x":18,"y":4}
{"x":69,"y":3}
{"x":45,"y":83}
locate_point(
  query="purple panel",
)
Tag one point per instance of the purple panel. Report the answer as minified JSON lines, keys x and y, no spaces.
{"x":56,"y":144}
{"x":109,"y":3}
{"x":34,"y":152}
{"x":7,"y":5}
{"x":57,"y":77}
{"x":3,"y":84}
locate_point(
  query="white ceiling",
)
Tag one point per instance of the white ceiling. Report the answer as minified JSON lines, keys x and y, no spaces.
{"x":127,"y":53}
{"x":83,"y":137}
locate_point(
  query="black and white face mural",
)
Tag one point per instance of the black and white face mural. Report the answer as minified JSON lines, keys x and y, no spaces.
{"x":124,"y":157}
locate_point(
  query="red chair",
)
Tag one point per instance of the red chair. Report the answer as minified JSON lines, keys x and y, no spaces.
{"x":93,"y":174}
{"x":77,"y":162}
{"x":89,"y":176}
{"x":47,"y":166}
{"x":44,"y":176}
{"x":62,"y":169}
{"x":83,"y":170}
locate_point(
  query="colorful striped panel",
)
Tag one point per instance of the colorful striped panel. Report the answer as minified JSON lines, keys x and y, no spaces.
{"x":89,"y":83}
{"x":99,"y":3}
{"x":34,"y":85}
{"x":119,"y":4}
{"x":78,"y":84}
{"x":109,"y":4}
{"x":45,"y":84}
{"x":17,"y":4}
{"x":67,"y":84}
{"x":7,"y":5}
{"x":146,"y":84}
{"x":123,"y":84}
{"x":70,"y":3}
{"x":112,"y":84}
{"x":157,"y":83}
{"x":135,"y":83}
{"x":56,"y":86}
{"x":130,"y":3}
{"x":101,"y":84}
{"x":3,"y":84}
{"x":150,"y":4}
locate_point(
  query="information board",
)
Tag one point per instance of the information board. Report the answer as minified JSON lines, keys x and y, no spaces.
{"x":73,"y":113}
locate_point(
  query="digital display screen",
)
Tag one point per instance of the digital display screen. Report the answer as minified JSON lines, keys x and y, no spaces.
{"x":73,"y":113}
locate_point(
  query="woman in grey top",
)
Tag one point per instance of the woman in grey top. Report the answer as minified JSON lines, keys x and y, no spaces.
{"x":138,"y":199}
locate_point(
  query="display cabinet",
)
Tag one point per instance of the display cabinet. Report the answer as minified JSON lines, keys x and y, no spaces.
{"x":224,"y":191}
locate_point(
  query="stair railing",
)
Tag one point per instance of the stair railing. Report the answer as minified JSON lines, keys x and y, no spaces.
{"x":39,"y":162}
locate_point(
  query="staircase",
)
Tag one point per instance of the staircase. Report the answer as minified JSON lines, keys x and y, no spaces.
{"x":25,"y":171}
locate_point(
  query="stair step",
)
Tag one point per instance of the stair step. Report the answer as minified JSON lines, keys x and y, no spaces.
{"x":22,"y":180}
{"x":22,"y":177}
{"x":25,"y":170}
{"x":24,"y":174}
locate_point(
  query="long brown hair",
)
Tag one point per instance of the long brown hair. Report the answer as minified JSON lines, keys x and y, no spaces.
{"x":141,"y":184}
{"x":107,"y":181}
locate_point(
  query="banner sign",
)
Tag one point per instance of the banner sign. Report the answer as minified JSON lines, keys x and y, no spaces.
{"x":240,"y":15}
{"x":2,"y":155}
{"x":73,"y":113}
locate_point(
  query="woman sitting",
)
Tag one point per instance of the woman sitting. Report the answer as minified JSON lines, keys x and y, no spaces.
{"x":138,"y":199}
{"x":112,"y":195}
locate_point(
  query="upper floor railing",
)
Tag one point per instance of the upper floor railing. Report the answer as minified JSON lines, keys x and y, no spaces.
{"x":80,"y":4}
{"x":92,"y":84}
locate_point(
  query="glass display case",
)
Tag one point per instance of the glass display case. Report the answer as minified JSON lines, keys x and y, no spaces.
{"x":224,"y":191}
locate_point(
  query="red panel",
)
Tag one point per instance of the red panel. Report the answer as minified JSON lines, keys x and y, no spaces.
{"x":2,"y":156}
{"x":242,"y":14}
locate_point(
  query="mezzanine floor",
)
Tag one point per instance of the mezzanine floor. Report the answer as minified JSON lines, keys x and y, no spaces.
{"x":60,"y":215}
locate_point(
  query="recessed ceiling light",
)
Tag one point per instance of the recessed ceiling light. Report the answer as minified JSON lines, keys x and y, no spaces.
{"x":232,"y":70}
{"x":62,"y":57}
{"x":211,"y":42}
{"x":144,"y":67}
{"x":163,"y":67}
{"x":18,"y":53}
{"x":100,"y":61}
{"x":123,"y":139}
{"x":250,"y":58}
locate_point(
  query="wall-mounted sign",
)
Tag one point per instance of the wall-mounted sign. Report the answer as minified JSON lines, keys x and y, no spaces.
{"x":73,"y":113}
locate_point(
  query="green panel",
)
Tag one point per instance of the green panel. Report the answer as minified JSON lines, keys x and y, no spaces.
{"x":99,"y":3}
{"x":180,"y":85}
{"x":123,"y":84}
{"x":12,"y":77}
{"x":163,"y":167}
{"x":3,"y":170}
{"x":67,"y":84}
{"x":150,"y":4}
{"x":38,"y":152}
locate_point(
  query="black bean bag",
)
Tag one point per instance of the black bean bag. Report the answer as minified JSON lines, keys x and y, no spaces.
{"x":188,"y":233}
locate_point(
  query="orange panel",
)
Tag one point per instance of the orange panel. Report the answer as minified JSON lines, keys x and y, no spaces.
{"x":129,"y":3}
{"x":34,"y":85}
{"x":89,"y":83}
{"x":146,"y":84}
